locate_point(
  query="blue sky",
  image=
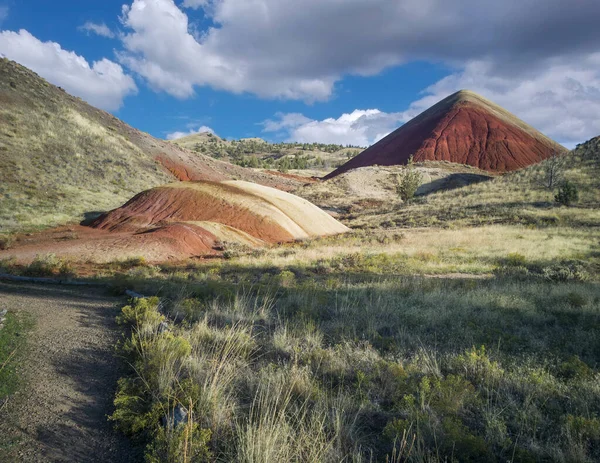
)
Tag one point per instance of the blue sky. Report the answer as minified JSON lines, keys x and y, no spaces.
{"x":342,"y":71}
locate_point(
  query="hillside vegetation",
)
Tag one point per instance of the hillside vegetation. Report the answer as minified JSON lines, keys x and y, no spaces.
{"x":60,"y":158}
{"x":257,"y":153}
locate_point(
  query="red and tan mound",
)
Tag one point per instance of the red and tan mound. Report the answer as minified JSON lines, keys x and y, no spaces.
{"x":464,"y":128}
{"x":187,"y":219}
{"x":264,"y":213}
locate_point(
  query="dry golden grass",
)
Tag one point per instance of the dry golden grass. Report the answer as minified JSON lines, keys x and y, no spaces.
{"x":465,"y":250}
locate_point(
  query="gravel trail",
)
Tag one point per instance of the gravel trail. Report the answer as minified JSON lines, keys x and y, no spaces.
{"x":71,"y":374}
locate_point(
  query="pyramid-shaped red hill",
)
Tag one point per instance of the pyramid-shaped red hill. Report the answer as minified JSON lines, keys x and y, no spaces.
{"x":464,"y":128}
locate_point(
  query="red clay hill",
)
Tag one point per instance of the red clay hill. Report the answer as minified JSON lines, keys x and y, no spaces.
{"x":464,"y":128}
{"x":186,"y":219}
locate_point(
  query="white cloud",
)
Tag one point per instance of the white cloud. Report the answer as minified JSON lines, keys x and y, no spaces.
{"x":3,"y":13}
{"x":360,"y":128}
{"x":298,"y":50}
{"x":285,"y":122}
{"x":103,"y":84}
{"x":177,"y":135}
{"x":99,"y":29}
{"x":162,"y":47}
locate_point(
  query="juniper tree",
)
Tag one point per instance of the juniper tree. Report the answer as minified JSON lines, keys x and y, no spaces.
{"x":409,"y":181}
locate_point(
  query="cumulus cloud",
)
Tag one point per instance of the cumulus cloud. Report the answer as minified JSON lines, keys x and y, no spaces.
{"x":281,"y":48}
{"x":103,"y":84}
{"x":359,"y":128}
{"x":99,"y":29}
{"x":177,"y":135}
{"x":161,"y":46}
{"x":285,"y":122}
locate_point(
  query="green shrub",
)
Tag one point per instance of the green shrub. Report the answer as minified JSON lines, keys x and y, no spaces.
{"x":8,"y":265}
{"x":449,"y":395}
{"x":574,"y":367}
{"x":584,"y":428}
{"x":462,"y":443}
{"x":231,"y":250}
{"x":286,"y":279}
{"x":133,"y":262}
{"x":565,"y":272}
{"x":396,"y":429}
{"x":184,"y":443}
{"x":514,"y":259}
{"x":476,"y":365}
{"x":141,"y":311}
{"x":409,"y":182}
{"x":49,"y":265}
{"x":567,"y":194}
{"x":134,"y":412}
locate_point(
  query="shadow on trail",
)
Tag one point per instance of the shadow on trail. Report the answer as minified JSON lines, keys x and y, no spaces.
{"x":89,"y":293}
{"x":94,"y":375}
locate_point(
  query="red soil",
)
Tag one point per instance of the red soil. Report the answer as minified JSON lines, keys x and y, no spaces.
{"x":182,"y":220}
{"x":183,"y":238}
{"x":169,"y":204}
{"x":174,"y":241}
{"x":465,"y":129}
{"x":185,"y":171}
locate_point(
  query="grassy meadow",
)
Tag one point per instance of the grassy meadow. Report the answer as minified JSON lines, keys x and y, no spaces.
{"x":396,"y":368}
{"x":521,"y":197}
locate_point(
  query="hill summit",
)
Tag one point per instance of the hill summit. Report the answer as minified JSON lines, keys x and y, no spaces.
{"x":463,"y":128}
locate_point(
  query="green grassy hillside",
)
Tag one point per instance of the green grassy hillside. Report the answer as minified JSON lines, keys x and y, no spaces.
{"x":60,"y":158}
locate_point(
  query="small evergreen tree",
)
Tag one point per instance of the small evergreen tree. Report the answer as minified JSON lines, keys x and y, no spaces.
{"x":567,"y":194}
{"x":409,"y":181}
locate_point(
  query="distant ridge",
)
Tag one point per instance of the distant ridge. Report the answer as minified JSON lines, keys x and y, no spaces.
{"x":463,"y":128}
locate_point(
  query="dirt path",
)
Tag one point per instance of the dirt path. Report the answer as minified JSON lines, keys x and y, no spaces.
{"x":71,"y":374}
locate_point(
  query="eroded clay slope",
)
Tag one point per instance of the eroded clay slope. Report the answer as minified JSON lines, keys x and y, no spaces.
{"x":261,"y":212}
{"x":464,"y":128}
